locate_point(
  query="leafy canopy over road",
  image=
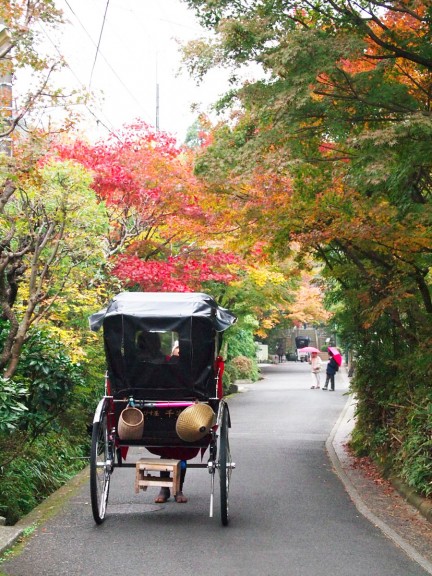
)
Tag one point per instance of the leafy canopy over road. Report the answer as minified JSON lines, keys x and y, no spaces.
{"x":339,"y":126}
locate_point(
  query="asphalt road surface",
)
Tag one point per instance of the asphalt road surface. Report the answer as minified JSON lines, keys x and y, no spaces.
{"x":289,"y":513}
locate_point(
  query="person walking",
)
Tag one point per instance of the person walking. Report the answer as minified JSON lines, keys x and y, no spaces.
{"x":332,"y":368}
{"x":315,"y":362}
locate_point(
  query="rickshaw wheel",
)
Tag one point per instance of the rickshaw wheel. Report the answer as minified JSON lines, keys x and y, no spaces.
{"x":101,"y":466}
{"x":225,"y":466}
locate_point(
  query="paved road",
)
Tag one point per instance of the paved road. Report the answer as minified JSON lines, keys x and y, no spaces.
{"x":289,"y":513}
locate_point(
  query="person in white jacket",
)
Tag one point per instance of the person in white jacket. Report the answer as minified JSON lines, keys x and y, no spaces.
{"x":315,"y":362}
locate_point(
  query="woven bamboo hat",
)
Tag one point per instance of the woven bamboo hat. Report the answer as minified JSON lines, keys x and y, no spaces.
{"x":195,"y":422}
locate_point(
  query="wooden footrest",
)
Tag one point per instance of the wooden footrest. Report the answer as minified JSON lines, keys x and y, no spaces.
{"x":145,"y":466}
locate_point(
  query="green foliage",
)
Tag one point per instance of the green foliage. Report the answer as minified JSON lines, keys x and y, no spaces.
{"x":230,"y":375}
{"x":42,"y":444}
{"x":344,"y":110}
{"x":49,"y":376}
{"x":239,"y":339}
{"x":35,"y":471}
{"x":51,"y":232}
{"x":87,"y":394}
{"x":239,"y":350}
{"x":392,"y":386}
{"x":413,"y":460}
{"x":240,"y":343}
{"x":12,"y":406}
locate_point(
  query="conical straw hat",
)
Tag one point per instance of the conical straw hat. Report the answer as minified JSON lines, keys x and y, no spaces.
{"x":195,"y":422}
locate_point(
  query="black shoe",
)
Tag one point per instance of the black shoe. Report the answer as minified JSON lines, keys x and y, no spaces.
{"x":324,"y":388}
{"x":331,"y":390}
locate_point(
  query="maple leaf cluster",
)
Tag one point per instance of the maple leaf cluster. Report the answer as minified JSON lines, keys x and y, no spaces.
{"x":160,"y":215}
{"x":176,"y":274}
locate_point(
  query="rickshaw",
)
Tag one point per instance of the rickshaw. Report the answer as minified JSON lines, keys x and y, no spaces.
{"x":176,"y":399}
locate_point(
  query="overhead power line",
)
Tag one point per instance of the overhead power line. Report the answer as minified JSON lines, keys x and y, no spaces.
{"x":81,"y":83}
{"x":98,"y":44}
{"x":100,"y":53}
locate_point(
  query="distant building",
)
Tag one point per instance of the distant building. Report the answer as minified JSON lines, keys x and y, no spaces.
{"x":262,"y":352}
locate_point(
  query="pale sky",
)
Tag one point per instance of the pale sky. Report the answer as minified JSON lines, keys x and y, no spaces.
{"x":138,"y":49}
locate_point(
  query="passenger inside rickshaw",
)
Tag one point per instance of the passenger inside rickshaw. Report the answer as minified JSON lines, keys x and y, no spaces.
{"x":175,"y":352}
{"x":149,"y":348}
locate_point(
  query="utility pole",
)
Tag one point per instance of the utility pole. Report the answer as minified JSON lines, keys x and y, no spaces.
{"x":157,"y":107}
{"x":157,"y":96}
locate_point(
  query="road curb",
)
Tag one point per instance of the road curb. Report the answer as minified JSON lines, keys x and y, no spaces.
{"x":339,"y":436}
{"x":9,"y":535}
{"x":423,"y":505}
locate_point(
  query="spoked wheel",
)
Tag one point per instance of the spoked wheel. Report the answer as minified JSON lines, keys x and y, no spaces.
{"x":101,"y":467}
{"x":225,"y":465}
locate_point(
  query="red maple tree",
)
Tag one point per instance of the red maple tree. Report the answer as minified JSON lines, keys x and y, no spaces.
{"x":160,"y":216}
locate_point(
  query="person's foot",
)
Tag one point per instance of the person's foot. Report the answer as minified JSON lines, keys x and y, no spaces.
{"x":180,"y":498}
{"x":163,"y":496}
{"x":331,"y":390}
{"x":318,"y":387}
{"x":325,"y":388}
{"x":312,"y":387}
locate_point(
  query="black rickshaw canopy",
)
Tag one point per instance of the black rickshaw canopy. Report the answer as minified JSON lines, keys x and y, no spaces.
{"x":167,"y":305}
{"x":141,"y":331}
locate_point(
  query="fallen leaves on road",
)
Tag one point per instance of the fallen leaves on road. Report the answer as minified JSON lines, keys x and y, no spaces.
{"x":387,"y":504}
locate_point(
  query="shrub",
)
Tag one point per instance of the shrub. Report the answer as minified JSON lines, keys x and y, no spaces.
{"x":43,"y":417}
{"x":229,"y":377}
{"x":245,"y":368}
{"x":36,"y":470}
{"x":239,"y":340}
{"x":12,"y":408}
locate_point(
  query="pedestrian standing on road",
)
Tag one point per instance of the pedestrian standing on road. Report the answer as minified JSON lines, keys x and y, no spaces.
{"x":332,"y":368}
{"x":315,"y":362}
{"x":280,"y":352}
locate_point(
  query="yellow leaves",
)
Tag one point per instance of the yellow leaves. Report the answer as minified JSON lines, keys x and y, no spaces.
{"x":308,"y":305}
{"x":262,"y":276}
{"x":267,"y":323}
{"x":76,"y":353}
{"x":68,"y":320}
